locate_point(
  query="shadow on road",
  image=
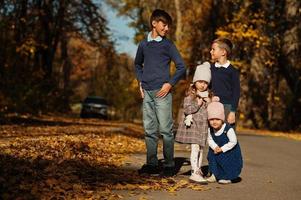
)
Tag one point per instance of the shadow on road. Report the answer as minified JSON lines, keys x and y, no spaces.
{"x":182,"y":162}
{"x":37,"y":178}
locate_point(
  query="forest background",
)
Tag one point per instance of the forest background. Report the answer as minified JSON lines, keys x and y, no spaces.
{"x":55,"y":53}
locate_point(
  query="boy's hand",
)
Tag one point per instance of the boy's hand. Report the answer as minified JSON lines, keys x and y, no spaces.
{"x":231,"y":118}
{"x":164,"y":90}
{"x":141,"y":91}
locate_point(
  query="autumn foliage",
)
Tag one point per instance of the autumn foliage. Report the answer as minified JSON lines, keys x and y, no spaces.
{"x":55,"y":53}
{"x":266,"y":37}
{"x":65,"y":158}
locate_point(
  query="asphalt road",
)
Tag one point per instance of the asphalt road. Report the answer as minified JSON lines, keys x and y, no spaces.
{"x":271,"y":171}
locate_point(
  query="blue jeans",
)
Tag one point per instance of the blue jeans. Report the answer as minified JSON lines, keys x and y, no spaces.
{"x":157,"y":116}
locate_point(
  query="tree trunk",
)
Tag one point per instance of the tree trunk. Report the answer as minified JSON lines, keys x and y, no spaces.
{"x":289,"y":60}
{"x":179,"y":20}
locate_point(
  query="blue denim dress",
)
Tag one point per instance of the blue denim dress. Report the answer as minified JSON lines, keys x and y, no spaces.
{"x":226,"y":165}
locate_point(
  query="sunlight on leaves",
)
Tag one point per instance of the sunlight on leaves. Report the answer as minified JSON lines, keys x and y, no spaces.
{"x":69,"y":158}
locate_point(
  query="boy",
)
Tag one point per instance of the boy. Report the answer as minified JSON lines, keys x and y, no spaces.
{"x":152,"y":67}
{"x":225,"y":78}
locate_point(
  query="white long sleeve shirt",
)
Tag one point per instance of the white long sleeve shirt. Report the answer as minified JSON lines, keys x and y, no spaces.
{"x":231,"y":136}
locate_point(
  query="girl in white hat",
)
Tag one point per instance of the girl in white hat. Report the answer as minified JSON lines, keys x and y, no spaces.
{"x":193,"y":125}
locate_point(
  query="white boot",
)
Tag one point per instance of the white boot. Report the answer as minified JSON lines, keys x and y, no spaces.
{"x":211,"y":179}
{"x":197,"y":177}
{"x":222,"y":181}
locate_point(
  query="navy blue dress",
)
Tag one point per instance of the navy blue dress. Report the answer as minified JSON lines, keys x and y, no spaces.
{"x":226,"y":165}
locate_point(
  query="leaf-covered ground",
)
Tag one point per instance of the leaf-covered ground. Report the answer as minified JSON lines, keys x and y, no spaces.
{"x":66,"y":158}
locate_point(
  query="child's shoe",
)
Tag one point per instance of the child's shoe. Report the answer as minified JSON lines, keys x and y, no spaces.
{"x":168,"y":172}
{"x":211,"y":179}
{"x":149,"y":170}
{"x":197,"y":177}
{"x":222,"y":181}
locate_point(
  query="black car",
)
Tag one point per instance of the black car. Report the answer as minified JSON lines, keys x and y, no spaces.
{"x":94,"y":107}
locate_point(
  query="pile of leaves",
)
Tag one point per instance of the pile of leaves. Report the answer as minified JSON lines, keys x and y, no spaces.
{"x":64,"y":158}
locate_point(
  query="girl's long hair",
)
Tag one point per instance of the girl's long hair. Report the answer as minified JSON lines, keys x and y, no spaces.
{"x":192,"y":91}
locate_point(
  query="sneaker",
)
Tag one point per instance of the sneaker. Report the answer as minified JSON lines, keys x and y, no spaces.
{"x":168,"y":172}
{"x":222,"y":181}
{"x":196,"y":177}
{"x":211,"y":179}
{"x":149,"y":169}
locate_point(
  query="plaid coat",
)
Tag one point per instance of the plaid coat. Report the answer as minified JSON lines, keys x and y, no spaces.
{"x":198,"y":131}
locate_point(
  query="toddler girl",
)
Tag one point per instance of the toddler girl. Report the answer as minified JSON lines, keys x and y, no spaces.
{"x":224,"y":156}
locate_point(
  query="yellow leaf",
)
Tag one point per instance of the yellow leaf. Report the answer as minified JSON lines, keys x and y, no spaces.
{"x":144,"y":187}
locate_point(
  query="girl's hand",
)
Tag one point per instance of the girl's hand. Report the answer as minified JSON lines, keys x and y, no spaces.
{"x":199,"y":101}
{"x":217,"y":150}
{"x":164,"y":90}
{"x":141,"y":91}
{"x":207,"y":99}
{"x":231,"y":118}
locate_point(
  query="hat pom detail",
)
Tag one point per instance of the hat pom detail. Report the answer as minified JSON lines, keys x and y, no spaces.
{"x":215,"y":99}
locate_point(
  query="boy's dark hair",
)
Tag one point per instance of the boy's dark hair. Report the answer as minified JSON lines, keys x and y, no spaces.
{"x":160,"y":15}
{"x":224,"y":43}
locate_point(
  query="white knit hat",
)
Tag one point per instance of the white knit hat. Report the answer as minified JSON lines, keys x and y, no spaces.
{"x":202,"y":73}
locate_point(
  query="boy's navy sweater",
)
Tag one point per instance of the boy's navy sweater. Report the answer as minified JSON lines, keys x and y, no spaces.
{"x":226,"y":85}
{"x":152,"y":63}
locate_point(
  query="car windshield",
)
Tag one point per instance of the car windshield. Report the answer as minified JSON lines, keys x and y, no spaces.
{"x":96,"y":100}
